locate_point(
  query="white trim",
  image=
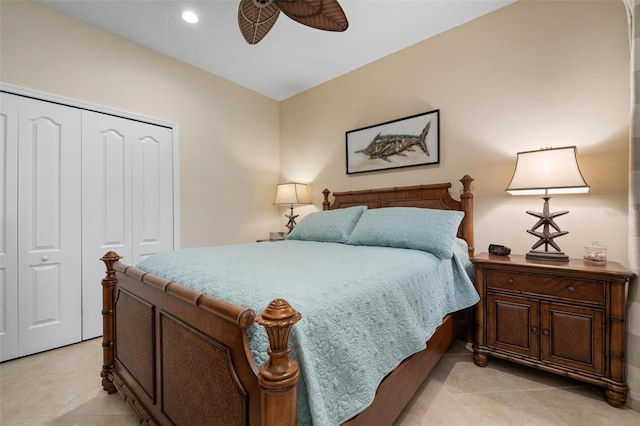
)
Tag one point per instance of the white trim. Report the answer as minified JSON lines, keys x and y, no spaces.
{"x":49,"y":97}
{"x":33,"y":93}
{"x":176,"y":189}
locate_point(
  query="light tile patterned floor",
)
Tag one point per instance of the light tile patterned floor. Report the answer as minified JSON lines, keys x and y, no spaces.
{"x":459,"y":393}
{"x":62,"y":387}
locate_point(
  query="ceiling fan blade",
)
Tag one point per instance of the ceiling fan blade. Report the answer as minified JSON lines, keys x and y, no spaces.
{"x":320,"y":14}
{"x":256,"y":19}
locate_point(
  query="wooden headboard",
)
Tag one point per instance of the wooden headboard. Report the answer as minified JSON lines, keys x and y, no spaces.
{"x":434,"y":196}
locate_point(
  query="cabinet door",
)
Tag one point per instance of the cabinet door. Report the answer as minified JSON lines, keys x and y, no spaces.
{"x":573,"y":336}
{"x":512,"y":324}
{"x":127,"y":198}
{"x":8,"y":227}
{"x":49,"y":229}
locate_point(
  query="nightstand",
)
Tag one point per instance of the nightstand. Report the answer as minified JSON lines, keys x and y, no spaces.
{"x":566,"y":318}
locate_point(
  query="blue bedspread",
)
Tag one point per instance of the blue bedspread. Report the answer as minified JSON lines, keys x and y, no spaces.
{"x":364,"y":309}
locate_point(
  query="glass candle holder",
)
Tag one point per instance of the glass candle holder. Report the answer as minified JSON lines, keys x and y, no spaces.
{"x":595,"y":253}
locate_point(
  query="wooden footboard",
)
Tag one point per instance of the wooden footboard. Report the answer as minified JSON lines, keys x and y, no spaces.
{"x":178,"y":356}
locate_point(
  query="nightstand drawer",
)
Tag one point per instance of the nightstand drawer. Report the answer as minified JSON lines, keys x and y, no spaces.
{"x":553,"y":286}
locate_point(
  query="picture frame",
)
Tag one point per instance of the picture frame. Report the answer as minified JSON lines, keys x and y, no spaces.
{"x":404,"y":142}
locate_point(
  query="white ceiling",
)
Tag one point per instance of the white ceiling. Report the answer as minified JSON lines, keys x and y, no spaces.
{"x":292,"y":57}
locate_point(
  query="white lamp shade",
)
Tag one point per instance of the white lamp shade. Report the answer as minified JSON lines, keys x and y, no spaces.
{"x":292,"y":193}
{"x":547,"y":171}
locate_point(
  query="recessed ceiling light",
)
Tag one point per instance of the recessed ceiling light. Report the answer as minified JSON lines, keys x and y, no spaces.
{"x":190,"y":16}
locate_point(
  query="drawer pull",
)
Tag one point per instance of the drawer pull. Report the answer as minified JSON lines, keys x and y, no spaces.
{"x":510,"y":281}
{"x":545,"y":332}
{"x":572,"y":290}
{"x":534,"y":330}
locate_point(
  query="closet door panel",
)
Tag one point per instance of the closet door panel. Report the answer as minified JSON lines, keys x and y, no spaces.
{"x":49,"y":229}
{"x":8,"y":227}
{"x":153,"y":191}
{"x":106,"y":205}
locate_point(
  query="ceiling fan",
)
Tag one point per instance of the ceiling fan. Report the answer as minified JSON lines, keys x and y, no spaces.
{"x":256,"y":17}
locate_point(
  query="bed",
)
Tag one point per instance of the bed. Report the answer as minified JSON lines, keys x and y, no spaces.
{"x":181,"y":355}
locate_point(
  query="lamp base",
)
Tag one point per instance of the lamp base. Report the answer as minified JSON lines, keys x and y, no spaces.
{"x":547,"y":255}
{"x":546,"y":236}
{"x":292,"y":220}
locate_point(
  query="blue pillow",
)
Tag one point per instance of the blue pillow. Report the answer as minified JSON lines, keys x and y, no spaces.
{"x":332,"y":226}
{"x":409,"y":227}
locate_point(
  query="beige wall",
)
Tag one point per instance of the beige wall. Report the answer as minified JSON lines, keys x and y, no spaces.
{"x":529,"y":75}
{"x":533,"y":74}
{"x":228,"y":135}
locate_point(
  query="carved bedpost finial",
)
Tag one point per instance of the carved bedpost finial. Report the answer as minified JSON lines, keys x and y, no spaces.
{"x":278,"y":377}
{"x":325,"y":203}
{"x":108,"y":288}
{"x":466,"y":185}
{"x":109,"y":259}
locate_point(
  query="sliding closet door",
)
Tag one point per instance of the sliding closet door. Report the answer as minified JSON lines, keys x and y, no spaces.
{"x":49,"y":227}
{"x":127,"y":198}
{"x":8,"y":227}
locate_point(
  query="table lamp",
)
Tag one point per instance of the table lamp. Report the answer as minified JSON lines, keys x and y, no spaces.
{"x":548,"y":171}
{"x":291,"y":194}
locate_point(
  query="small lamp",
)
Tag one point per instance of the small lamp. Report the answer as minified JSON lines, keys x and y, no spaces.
{"x":545,"y":172}
{"x":291,"y":194}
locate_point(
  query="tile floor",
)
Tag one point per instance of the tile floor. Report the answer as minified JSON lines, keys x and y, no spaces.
{"x":62,"y":387}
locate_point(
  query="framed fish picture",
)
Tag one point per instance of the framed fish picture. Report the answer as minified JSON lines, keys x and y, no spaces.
{"x":405,"y":142}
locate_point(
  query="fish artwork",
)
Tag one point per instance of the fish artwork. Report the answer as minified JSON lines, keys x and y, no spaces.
{"x":384,"y":146}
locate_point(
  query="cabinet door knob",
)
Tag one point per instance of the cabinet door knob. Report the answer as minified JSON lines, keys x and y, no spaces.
{"x":534,"y":330}
{"x":572,"y":290}
{"x":545,"y":332}
{"x":510,"y":281}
